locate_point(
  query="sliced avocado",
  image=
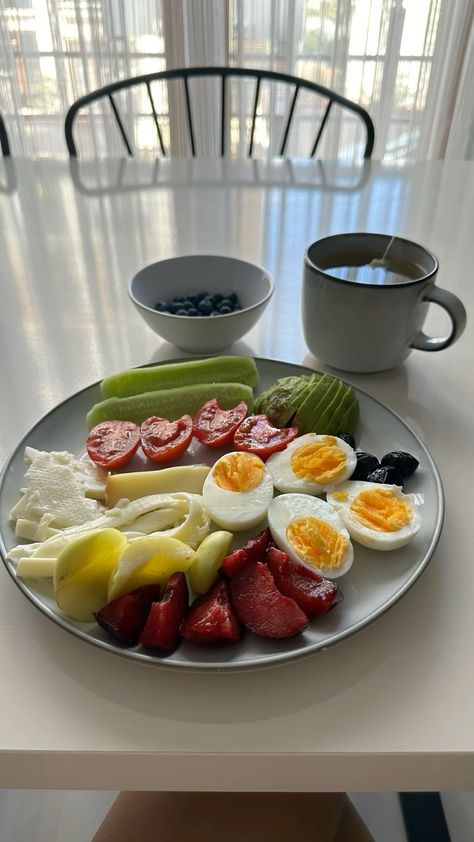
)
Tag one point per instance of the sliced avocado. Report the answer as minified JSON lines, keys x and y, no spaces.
{"x":350,"y":419}
{"x":338,"y":410}
{"x":305,"y":388}
{"x":275,"y":401}
{"x":309,"y":411}
{"x":327,"y":410}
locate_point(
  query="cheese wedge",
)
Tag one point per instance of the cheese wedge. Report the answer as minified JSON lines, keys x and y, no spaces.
{"x":132,"y":486}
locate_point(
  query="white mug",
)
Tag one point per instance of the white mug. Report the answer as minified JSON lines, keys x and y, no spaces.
{"x":359,"y":323}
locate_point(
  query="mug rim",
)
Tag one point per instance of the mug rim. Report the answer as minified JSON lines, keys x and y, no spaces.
{"x":314,"y":268}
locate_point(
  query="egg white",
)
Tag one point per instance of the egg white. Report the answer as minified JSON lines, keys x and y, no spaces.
{"x":237,"y":510}
{"x":286,"y":508}
{"x":373,"y":538}
{"x":284,"y":478}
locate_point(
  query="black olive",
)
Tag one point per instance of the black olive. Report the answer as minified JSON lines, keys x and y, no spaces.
{"x":366,"y":463}
{"x":386,"y":475}
{"x":348,"y":438}
{"x":405,"y":463}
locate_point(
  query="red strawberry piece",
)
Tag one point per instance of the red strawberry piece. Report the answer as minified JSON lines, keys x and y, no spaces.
{"x":252,"y":550}
{"x":311,"y":592}
{"x":125,"y":617}
{"x":162,"y":626}
{"x":211,"y":618}
{"x":261,"y":607}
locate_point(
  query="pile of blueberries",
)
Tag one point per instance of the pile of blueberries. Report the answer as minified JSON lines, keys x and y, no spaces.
{"x":203,"y":304}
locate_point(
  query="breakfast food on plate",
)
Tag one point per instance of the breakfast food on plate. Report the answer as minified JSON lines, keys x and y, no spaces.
{"x":60,"y":491}
{"x":82,"y":572}
{"x":112,"y":444}
{"x":212,"y":618}
{"x":223,"y":369}
{"x":381,"y":517}
{"x":124,"y":618}
{"x":163,"y":441}
{"x":214,"y":426}
{"x":137,"y":484}
{"x":208,"y":560}
{"x":312,"y":464}
{"x":314,"y":594}
{"x":237,"y":491}
{"x":310,"y":531}
{"x":149,"y":560}
{"x":166,"y":615}
{"x":314,"y":403}
{"x":133,"y":550}
{"x":261,"y":607}
{"x":257,"y":435}
{"x":169,"y":403}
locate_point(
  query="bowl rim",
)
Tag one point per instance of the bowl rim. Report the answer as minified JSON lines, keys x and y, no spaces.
{"x":264,"y":300}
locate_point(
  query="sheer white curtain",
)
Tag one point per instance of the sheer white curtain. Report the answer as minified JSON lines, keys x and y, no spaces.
{"x":409,"y":62}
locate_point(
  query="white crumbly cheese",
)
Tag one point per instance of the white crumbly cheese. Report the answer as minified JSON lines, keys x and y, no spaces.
{"x":61,"y":492}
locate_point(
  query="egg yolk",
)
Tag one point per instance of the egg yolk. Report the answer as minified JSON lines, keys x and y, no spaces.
{"x":379,"y":509}
{"x":238,"y":472}
{"x":319,"y":461}
{"x":317,"y":543}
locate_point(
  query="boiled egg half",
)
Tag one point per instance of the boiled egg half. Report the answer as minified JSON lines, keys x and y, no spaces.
{"x":378,"y":516}
{"x":312,"y":464}
{"x":311,"y":532}
{"x":237,"y":491}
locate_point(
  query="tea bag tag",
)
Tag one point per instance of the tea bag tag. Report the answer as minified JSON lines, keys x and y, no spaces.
{"x":380,"y":261}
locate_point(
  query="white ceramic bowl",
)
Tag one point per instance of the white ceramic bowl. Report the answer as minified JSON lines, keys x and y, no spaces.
{"x":190,"y":275}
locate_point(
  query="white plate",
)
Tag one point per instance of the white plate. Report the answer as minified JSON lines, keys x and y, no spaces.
{"x":375,"y":582}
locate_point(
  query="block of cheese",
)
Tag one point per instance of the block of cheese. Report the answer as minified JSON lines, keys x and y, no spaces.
{"x":136,"y":484}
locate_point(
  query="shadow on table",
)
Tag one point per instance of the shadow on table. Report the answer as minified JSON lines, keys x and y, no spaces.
{"x":245,"y":697}
{"x":8,"y":179}
{"x":94,"y":178}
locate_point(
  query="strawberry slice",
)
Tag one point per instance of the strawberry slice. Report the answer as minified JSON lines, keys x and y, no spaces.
{"x":211,"y":618}
{"x":125,"y":617}
{"x":252,"y":550}
{"x":162,"y":626}
{"x":311,"y":592}
{"x":261,"y":607}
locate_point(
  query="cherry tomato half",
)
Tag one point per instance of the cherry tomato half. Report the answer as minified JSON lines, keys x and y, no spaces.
{"x":112,"y":444}
{"x":163,"y":441}
{"x":257,"y":435}
{"x":215,"y":426}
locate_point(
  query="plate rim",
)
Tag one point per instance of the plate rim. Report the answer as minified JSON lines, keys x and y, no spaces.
{"x":272,"y":659}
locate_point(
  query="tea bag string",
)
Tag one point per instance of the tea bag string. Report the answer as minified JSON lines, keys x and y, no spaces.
{"x":380,"y":261}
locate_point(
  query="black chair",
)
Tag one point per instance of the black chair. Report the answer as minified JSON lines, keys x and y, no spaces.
{"x":4,"y":144}
{"x":298,"y":84}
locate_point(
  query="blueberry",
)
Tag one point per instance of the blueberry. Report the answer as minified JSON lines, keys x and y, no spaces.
{"x":161,"y":306}
{"x":348,"y":438}
{"x":192,"y":311}
{"x":388,"y":476}
{"x":366,"y":463}
{"x":178,"y":300}
{"x":404,"y":462}
{"x":233,"y":298}
{"x":217,"y":298}
{"x":181,"y":312}
{"x":224,"y":308}
{"x":205,"y":307}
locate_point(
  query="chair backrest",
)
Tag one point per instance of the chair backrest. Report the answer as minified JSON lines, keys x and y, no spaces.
{"x":4,"y":144}
{"x":224,"y":73}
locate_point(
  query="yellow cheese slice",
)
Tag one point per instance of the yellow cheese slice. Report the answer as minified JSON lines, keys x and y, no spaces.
{"x":132,"y":486}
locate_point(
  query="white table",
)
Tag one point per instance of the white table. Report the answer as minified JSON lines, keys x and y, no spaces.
{"x":389,"y":708}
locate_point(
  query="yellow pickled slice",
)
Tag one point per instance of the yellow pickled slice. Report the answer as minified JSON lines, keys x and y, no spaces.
{"x":149,"y":560}
{"x":208,"y":559}
{"x":82,"y":572}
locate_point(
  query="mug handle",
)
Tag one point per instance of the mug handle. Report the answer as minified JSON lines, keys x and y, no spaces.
{"x":456,"y":311}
